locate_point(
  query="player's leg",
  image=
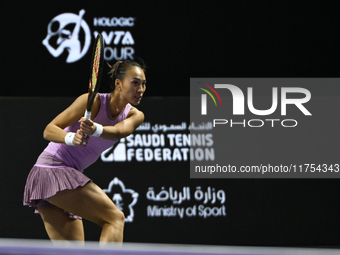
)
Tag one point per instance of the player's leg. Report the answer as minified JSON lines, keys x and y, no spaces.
{"x":59,"y":226}
{"x":91,"y":203}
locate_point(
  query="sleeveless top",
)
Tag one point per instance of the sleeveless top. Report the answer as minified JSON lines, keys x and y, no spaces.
{"x":81,"y":157}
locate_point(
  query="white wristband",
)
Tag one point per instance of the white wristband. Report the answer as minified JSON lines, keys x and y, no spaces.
{"x":69,"y":138}
{"x":99,"y":130}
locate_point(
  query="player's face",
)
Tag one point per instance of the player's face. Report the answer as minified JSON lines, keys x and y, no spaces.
{"x":134,"y":85}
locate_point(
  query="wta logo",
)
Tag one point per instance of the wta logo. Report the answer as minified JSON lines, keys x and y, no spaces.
{"x":204,"y":97}
{"x":64,"y":33}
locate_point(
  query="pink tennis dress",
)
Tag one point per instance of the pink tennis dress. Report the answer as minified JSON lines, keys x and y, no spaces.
{"x":61,"y":167}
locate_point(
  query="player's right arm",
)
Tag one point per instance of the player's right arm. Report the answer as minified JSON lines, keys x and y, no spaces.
{"x":54,"y":130}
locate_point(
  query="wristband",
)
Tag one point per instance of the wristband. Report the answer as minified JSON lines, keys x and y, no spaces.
{"x":99,"y":130}
{"x":69,"y":138}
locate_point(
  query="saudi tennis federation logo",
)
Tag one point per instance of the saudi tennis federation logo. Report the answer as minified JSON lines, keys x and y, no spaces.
{"x":123,"y":198}
{"x":69,"y":32}
{"x":204,"y":97}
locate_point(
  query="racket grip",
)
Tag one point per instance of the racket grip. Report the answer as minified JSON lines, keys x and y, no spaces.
{"x":87,"y":114}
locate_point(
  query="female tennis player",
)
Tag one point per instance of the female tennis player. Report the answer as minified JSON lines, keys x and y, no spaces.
{"x":56,"y":186}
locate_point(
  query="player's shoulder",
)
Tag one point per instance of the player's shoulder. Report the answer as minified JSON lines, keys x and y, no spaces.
{"x":80,"y":101}
{"x":83,"y":99}
{"x":82,"y":96}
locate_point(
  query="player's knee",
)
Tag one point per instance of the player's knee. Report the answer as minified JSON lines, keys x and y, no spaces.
{"x":119,"y":217}
{"x":115,"y":217}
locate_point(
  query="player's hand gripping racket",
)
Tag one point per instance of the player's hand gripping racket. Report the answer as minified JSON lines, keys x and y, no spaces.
{"x":96,"y":73}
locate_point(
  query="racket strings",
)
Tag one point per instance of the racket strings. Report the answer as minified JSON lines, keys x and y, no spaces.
{"x":96,"y":63}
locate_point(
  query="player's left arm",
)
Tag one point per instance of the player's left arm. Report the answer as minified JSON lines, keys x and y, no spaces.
{"x":121,"y":129}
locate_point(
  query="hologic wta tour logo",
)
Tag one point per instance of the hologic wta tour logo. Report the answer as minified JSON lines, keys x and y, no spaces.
{"x":70,"y":33}
{"x":63,"y":34}
{"x":243,"y":100}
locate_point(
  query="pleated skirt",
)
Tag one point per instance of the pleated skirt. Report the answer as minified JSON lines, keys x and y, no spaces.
{"x":48,"y":176}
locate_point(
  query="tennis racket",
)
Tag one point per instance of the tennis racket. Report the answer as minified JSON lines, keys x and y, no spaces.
{"x":96,"y":73}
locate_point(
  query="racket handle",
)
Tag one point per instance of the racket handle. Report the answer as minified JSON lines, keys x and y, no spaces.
{"x":87,"y":114}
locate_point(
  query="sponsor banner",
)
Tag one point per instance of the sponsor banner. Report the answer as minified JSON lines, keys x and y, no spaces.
{"x":71,"y":33}
{"x":161,"y":201}
{"x":168,"y":202}
{"x":187,"y":202}
{"x":152,"y":142}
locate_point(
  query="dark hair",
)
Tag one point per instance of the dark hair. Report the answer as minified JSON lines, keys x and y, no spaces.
{"x":119,"y":69}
